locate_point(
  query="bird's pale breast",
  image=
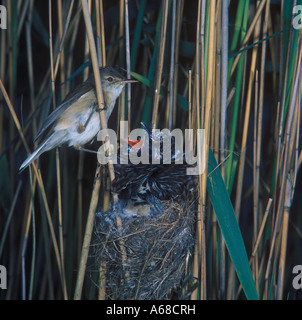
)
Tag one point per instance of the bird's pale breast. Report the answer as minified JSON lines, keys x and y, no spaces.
{"x":79,"y":116}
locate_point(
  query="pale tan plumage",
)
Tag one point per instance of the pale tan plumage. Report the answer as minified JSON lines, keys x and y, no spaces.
{"x":76,"y":121}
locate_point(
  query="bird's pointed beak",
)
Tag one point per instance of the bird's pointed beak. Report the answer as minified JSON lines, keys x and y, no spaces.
{"x":128,"y":81}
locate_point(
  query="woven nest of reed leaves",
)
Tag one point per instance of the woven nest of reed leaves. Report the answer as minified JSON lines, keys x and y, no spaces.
{"x":147,"y":257}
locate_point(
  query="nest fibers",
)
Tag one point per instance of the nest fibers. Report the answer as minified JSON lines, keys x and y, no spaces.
{"x":145,"y":241}
{"x":148,"y":256}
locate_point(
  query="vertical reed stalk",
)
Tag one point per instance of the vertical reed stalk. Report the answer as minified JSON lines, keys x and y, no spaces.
{"x":224,"y":76}
{"x":207,"y":124}
{"x":160,"y":61}
{"x":98,"y":32}
{"x":40,"y":181}
{"x":128,"y":64}
{"x":96,"y":186}
{"x":172,"y":68}
{"x":103,"y":46}
{"x":195,"y":115}
{"x":238,"y":90}
{"x":256,"y":164}
{"x":245,"y":124}
{"x":288,"y":129}
{"x":30,"y":64}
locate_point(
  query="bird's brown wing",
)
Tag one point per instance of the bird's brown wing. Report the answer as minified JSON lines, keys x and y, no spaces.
{"x":70,"y":99}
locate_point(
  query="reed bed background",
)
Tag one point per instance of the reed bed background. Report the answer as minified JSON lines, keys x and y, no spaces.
{"x":232,"y":69}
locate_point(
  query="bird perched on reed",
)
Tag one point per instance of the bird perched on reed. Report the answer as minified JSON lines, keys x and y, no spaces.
{"x":76,"y":120}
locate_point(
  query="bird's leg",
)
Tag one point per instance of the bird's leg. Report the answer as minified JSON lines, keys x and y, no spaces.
{"x":100,"y":109}
{"x":77,"y":147}
{"x":80,"y":148}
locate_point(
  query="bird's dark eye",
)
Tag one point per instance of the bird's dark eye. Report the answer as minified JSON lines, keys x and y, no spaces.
{"x":110,"y":79}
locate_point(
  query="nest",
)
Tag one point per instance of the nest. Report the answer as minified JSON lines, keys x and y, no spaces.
{"x":146,"y":257}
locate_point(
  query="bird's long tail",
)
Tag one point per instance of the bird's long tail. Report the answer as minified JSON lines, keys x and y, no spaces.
{"x":32,"y":157}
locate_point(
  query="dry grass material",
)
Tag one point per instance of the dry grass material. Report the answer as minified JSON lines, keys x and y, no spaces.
{"x":159,"y":252}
